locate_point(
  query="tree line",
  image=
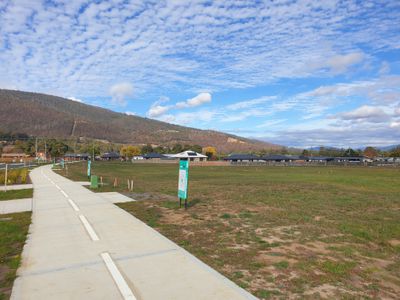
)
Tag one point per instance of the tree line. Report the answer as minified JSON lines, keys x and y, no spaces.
{"x":59,"y":147}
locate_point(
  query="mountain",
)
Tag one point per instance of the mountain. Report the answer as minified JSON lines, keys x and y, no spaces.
{"x":388,"y":148}
{"x":50,"y":116}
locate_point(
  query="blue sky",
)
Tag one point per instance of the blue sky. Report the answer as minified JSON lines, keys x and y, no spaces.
{"x":298,"y":73}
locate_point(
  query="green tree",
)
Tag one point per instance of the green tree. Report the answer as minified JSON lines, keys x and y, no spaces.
{"x":350,"y":153}
{"x":395,"y":152}
{"x":305,"y":152}
{"x":196,"y":148}
{"x":177,"y":148}
{"x":147,"y":149}
{"x":159,"y":149}
{"x":56,"y":148}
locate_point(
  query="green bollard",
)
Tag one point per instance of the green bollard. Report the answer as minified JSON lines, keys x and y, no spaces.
{"x":94,"y":182}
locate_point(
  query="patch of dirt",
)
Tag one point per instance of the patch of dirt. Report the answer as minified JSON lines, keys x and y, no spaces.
{"x":272,"y":239}
{"x":169,"y":217}
{"x":326,"y":291}
{"x":270,"y":259}
{"x":4,"y":270}
{"x":240,"y":247}
{"x":394,"y":243}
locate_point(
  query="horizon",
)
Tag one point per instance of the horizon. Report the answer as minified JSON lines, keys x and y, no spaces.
{"x":298,"y":74}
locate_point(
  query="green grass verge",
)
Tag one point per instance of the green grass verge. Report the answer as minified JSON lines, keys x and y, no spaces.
{"x":16,"y":194}
{"x":13,"y":231}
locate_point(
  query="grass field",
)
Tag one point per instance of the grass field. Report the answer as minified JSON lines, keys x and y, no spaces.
{"x":16,"y":194}
{"x":279,"y":232}
{"x":13,"y":231}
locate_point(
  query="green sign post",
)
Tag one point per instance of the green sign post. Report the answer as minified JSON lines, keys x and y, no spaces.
{"x":89,"y":162}
{"x":183,"y":181}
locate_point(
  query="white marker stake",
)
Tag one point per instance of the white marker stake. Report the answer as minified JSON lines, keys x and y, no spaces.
{"x":117,"y":276}
{"x":89,"y":228}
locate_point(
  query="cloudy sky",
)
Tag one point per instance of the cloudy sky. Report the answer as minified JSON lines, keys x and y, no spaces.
{"x":303,"y":73}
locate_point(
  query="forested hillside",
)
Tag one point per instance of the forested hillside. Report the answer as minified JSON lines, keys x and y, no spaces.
{"x":50,"y":116}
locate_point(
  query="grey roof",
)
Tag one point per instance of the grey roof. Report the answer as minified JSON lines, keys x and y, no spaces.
{"x":242,"y":157}
{"x":327,"y":158}
{"x":280,"y":157}
{"x":350,"y":158}
{"x":153,"y":155}
{"x":110,"y":155}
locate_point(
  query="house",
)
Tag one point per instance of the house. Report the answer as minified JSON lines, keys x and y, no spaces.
{"x":239,"y":158}
{"x":14,"y":157}
{"x":154,"y":156}
{"x":190,"y":155}
{"x":137,"y":157}
{"x":353,"y":159}
{"x":110,"y":156}
{"x":281,"y":158}
{"x":76,"y":156}
{"x":320,"y":159}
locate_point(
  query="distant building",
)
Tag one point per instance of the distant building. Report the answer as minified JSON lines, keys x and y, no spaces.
{"x":76,"y":156}
{"x":110,"y":156}
{"x":321,"y":159}
{"x":281,"y":158}
{"x":190,"y":155}
{"x":14,"y":157}
{"x":137,"y":157}
{"x":353,"y":159}
{"x":240,"y":158}
{"x":154,"y":156}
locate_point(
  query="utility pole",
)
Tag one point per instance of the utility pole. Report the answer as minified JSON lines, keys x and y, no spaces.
{"x":36,"y":149}
{"x":45,"y":151}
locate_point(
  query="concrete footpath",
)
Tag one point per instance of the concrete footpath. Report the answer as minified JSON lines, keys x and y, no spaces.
{"x":16,"y":187}
{"x":81,"y":246}
{"x":15,"y":206}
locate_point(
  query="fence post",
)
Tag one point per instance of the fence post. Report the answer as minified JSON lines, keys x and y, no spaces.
{"x":5,"y":179}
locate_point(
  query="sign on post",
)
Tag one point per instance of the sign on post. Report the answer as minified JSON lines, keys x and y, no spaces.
{"x":183,"y":180}
{"x":89,"y":163}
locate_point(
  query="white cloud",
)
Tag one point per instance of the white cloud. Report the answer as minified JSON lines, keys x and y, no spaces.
{"x":119,"y":92}
{"x":75,"y":99}
{"x":250,"y":103}
{"x":195,"y":101}
{"x":169,"y":45}
{"x":271,"y":123}
{"x":157,"y":110}
{"x":340,"y":63}
{"x":130,"y":113}
{"x":366,"y":113}
{"x":395,"y":125}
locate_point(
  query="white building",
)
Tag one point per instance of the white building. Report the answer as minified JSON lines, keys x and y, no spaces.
{"x":190,"y":155}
